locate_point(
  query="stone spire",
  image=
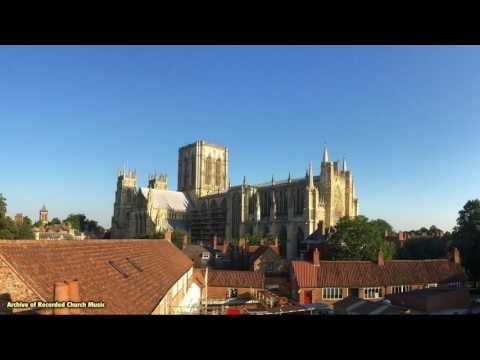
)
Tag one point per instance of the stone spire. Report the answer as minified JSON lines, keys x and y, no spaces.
{"x":345,"y":164}
{"x":325,"y":153}
{"x":310,"y":175}
{"x":244,"y":180}
{"x":289,"y":178}
{"x":273,"y":180}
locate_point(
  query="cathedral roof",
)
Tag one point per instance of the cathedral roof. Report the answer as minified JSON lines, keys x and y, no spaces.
{"x":166,"y":199}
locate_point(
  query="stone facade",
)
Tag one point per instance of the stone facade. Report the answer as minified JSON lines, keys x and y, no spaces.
{"x":288,"y":209}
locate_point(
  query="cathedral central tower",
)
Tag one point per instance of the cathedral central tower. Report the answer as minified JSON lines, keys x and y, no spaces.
{"x":202,"y":169}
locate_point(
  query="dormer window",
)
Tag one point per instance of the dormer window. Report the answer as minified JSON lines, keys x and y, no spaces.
{"x":205,"y":255}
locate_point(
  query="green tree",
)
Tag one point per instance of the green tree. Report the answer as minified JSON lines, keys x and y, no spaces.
{"x":77,"y":221}
{"x":382,"y":226}
{"x":177,"y":237}
{"x":3,"y":206}
{"x":466,"y":237}
{"x":359,"y":239}
{"x":424,"y":248}
{"x":55,"y":221}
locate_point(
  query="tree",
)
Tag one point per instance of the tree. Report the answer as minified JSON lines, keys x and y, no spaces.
{"x":424,"y":248}
{"x":466,"y":237}
{"x":177,"y":237}
{"x":3,"y":206}
{"x":359,"y":239}
{"x":76,"y":221}
{"x":382,"y":226}
{"x":55,"y":221}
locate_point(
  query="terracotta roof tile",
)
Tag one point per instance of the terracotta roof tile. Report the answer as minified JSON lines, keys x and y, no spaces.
{"x":366,"y":273}
{"x":41,"y":263}
{"x":236,"y":279}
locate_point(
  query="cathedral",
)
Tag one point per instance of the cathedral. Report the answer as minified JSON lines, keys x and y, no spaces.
{"x":206,"y":204}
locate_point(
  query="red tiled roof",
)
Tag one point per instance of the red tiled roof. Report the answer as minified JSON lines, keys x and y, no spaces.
{"x":235,"y":279}
{"x":42,"y":263}
{"x":367,"y":273}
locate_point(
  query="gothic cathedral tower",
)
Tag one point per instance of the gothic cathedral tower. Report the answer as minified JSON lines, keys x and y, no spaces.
{"x":125,"y":198}
{"x":202,"y":169}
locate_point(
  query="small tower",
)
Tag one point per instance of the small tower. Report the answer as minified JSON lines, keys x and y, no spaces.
{"x":158,"y":181}
{"x":44,"y":215}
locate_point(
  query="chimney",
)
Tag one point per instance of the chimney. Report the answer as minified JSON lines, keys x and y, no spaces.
{"x":380,"y":259}
{"x":241,"y":244}
{"x":185,"y":241}
{"x":263,"y":242}
{"x":61,"y":294}
{"x":456,"y":256}
{"x":215,"y":242}
{"x":168,"y":236}
{"x":225,"y":247}
{"x":316,"y":257}
{"x":74,"y":295}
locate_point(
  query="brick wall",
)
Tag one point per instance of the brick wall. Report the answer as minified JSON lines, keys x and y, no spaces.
{"x":221,"y":293}
{"x":12,"y":289}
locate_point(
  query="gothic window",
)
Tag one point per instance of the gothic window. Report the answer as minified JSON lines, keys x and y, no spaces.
{"x":185,"y":172}
{"x":218,"y":172}
{"x":236,"y":215}
{"x":209,"y":169}
{"x":251,"y":205}
{"x":265,"y":204}
{"x":213,"y":204}
{"x":299,"y":201}
{"x":224,"y":204}
{"x":192,"y":172}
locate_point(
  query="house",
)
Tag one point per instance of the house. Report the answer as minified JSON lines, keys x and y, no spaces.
{"x":57,"y":232}
{"x":266,"y":258}
{"x":101,"y":276}
{"x":330,"y":281}
{"x":228,"y":287}
{"x":216,"y":256}
{"x":357,"y":306}
{"x":440,"y":300}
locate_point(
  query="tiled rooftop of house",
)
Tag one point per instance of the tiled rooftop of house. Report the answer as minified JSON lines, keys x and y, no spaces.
{"x":368,"y":273}
{"x":129,"y":276}
{"x":235,"y":279}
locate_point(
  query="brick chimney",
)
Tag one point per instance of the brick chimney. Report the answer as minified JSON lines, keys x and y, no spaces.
{"x":185,"y":241}
{"x":316,"y":257}
{"x":74,"y":295}
{"x":61,"y":294}
{"x":242,"y":244}
{"x":215,"y":242}
{"x":380,"y":259}
{"x":168,"y":236}
{"x":225,"y":247}
{"x":456,"y":256}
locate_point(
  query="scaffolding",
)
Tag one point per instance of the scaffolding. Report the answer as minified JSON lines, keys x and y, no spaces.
{"x":206,"y":223}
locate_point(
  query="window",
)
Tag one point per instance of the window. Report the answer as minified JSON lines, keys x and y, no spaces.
{"x":268,"y":266}
{"x":332,"y":293}
{"x":455,"y":284}
{"x":431,"y":285}
{"x":232,"y":293}
{"x":401,"y":289}
{"x":205,"y":255}
{"x":373,"y":292}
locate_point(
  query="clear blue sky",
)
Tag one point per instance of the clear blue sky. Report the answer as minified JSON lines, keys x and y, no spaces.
{"x":406,"y":118}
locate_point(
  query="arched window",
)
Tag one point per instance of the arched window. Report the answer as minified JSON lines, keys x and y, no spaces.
{"x":185,"y":172}
{"x":192,"y":172}
{"x":224,"y":204}
{"x":218,"y":172}
{"x":213,"y":204}
{"x":236,"y":215}
{"x":209,"y":170}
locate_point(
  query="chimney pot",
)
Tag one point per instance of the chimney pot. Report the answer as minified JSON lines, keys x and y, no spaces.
{"x":380,"y":259}
{"x":74,"y":295}
{"x":61,"y":294}
{"x":316,"y":257}
{"x":456,"y":256}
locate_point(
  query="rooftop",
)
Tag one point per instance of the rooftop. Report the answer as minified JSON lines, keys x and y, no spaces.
{"x":120,"y":285}
{"x":367,"y":273}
